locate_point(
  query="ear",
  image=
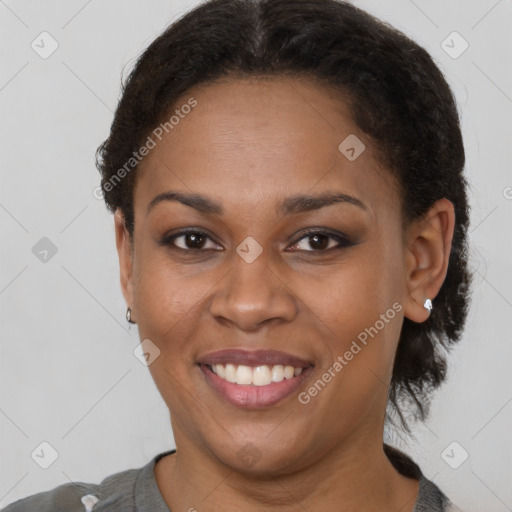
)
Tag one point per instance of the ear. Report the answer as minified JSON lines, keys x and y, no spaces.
{"x":125,"y":253}
{"x":428,"y":246}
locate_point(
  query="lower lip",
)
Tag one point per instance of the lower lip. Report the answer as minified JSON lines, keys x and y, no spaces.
{"x":251,"y":396}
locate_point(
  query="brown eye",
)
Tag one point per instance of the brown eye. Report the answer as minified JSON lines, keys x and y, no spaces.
{"x":321,"y":241}
{"x":189,"y":240}
{"x":318,"y":242}
{"x":193,"y":240}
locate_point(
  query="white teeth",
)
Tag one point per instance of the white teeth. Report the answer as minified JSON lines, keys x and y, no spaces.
{"x":230,"y":372}
{"x":220,"y":370}
{"x":243,"y":375}
{"x":288,"y":372}
{"x":262,"y":376}
{"x":257,"y":375}
{"x":277,"y":373}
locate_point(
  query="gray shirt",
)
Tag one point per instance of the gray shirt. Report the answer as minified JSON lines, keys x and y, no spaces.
{"x":136,"y":490}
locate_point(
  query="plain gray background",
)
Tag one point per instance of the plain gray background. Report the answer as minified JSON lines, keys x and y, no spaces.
{"x":68,"y":373}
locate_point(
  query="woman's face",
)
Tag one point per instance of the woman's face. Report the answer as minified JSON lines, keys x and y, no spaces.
{"x":251,"y":287}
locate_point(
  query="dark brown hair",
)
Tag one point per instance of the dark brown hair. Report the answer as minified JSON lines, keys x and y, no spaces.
{"x":398,"y":97}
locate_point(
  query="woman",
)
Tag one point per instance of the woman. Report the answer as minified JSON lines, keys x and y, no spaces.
{"x":290,"y":211}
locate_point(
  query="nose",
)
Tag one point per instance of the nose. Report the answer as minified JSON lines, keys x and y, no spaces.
{"x":253,"y":294}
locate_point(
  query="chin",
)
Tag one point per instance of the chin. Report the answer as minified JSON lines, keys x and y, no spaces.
{"x":260,"y":454}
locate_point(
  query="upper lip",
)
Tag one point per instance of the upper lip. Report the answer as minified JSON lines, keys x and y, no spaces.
{"x":253,"y":358}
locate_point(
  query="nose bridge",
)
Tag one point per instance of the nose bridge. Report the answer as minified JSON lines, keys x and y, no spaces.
{"x":252,"y":281}
{"x":252,"y":292}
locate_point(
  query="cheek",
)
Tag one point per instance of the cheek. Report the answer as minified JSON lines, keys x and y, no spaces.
{"x":362,"y":307}
{"x":167,"y":301}
{"x":354,"y":296}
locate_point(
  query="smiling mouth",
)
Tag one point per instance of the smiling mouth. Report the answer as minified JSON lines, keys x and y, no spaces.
{"x":254,"y":379}
{"x":255,"y":375}
{"x":254,"y":387}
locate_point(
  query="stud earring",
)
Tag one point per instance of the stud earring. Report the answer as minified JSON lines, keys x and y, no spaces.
{"x":428,"y":305}
{"x":129,"y":316}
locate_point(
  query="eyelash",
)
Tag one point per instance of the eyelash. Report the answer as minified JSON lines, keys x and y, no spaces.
{"x":343,"y":241}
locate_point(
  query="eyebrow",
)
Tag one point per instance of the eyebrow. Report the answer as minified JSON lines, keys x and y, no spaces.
{"x":290,"y":205}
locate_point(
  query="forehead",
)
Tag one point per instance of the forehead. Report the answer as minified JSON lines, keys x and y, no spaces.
{"x":259,"y":139}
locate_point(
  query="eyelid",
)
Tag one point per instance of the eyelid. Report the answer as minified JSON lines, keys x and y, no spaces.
{"x":341,"y":239}
{"x":168,"y":240}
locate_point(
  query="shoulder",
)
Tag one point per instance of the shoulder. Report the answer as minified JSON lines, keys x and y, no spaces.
{"x":430,"y":497}
{"x":115,"y":492}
